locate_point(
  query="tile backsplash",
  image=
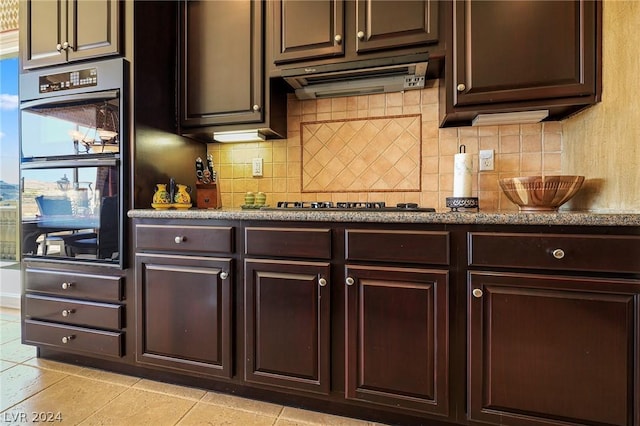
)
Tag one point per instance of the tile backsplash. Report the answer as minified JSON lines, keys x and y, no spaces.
{"x":421,"y":159}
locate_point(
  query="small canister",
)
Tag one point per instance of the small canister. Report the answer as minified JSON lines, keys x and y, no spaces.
{"x":249,"y":199}
{"x":261,"y":199}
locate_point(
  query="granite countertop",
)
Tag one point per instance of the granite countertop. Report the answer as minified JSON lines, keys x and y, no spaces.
{"x":440,"y":217}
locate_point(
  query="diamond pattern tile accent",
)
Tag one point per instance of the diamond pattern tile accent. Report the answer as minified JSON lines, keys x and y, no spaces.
{"x":372,"y":155}
{"x":8,"y":15}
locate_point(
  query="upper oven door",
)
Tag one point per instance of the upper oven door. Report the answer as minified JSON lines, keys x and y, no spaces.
{"x":73,"y":125}
{"x":75,"y":110}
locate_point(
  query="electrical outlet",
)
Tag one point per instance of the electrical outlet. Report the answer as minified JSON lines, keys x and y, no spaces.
{"x":486,"y":160}
{"x":256,"y":167}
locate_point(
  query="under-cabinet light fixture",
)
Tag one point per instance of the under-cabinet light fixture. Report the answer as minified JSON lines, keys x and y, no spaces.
{"x":521,"y":117}
{"x":250,"y":136}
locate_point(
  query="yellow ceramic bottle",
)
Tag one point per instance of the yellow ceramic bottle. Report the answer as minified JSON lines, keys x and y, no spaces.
{"x":182,"y":194}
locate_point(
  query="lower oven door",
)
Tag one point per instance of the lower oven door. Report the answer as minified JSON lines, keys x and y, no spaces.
{"x":72,"y":211}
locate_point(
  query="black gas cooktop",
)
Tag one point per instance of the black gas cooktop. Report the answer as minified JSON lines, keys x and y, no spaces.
{"x":377,"y":206}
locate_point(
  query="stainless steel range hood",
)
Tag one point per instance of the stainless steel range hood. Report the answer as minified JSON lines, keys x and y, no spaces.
{"x":384,"y":75}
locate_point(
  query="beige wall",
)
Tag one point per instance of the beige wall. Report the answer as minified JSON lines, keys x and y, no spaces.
{"x":603,"y":142}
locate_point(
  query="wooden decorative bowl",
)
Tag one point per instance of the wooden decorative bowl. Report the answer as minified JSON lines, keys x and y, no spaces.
{"x":541,"y":193}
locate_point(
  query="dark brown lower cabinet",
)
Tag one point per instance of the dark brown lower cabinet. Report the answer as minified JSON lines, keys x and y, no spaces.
{"x":397,"y":337}
{"x":553,"y":350}
{"x":184,"y":313}
{"x":287,"y":334}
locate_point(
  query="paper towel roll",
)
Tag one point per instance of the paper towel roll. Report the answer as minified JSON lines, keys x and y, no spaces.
{"x":462,"y":168}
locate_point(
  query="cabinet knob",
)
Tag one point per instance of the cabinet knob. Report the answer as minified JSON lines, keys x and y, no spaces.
{"x":338,"y":38}
{"x":558,"y":253}
{"x":179,"y":239}
{"x":461,"y":87}
{"x":256,"y":108}
{"x":477,"y":292}
{"x":350,"y":281}
{"x":322,"y":282}
{"x":66,"y":286}
{"x":67,"y":339}
{"x":59,"y":47}
{"x":224,"y":275}
{"x":360,"y":35}
{"x":67,"y":312}
{"x":65,"y":45}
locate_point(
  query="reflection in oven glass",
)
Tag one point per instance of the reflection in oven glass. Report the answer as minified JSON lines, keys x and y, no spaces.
{"x":71,"y":212}
{"x":76,"y":129}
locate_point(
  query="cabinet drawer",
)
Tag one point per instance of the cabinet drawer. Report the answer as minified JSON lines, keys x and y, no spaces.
{"x":96,"y":287}
{"x":398,"y":246}
{"x":92,"y":314}
{"x":77,"y":338}
{"x":209,"y":239}
{"x":308,"y":243}
{"x":604,"y":253}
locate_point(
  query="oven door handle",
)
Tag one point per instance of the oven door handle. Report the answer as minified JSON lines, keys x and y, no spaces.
{"x":105,"y":95}
{"x":55,"y":164}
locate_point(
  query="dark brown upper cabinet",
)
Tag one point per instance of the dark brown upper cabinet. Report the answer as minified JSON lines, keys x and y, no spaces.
{"x":56,"y":32}
{"x":221,"y":62}
{"x":307,"y":29}
{"x":395,"y":24}
{"x":509,"y":56}
{"x":339,"y":30}
{"x":223,"y":84}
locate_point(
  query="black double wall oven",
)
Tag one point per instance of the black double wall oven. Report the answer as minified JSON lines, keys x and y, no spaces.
{"x":74,"y":154}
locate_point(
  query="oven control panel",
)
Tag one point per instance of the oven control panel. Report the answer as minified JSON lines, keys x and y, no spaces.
{"x":68,"y":80}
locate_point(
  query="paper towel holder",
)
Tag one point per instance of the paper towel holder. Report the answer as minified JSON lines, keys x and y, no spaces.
{"x":457,"y":203}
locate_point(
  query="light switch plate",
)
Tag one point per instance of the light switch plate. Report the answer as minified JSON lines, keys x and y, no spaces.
{"x":256,"y":167}
{"x":486,"y":160}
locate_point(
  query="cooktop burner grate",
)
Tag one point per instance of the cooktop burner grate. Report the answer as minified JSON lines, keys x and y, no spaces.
{"x":373,"y":206}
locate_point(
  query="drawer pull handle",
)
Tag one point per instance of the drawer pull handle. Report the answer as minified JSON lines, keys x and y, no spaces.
{"x":477,"y":293}
{"x":224,"y":275}
{"x":558,"y":253}
{"x":322,"y":282}
{"x":67,"y":339}
{"x":179,"y":239}
{"x":67,"y":286}
{"x":67,"y":312}
{"x":350,"y":281}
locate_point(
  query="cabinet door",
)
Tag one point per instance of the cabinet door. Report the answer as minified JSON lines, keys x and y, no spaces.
{"x":94,"y":28}
{"x":395,"y":24}
{"x":222,"y":62}
{"x":184,"y":313}
{"x":91,"y":28}
{"x":43,"y":25}
{"x":523,"y":50}
{"x":551,"y":350}
{"x":307,"y":29}
{"x":397,"y":337}
{"x":287,"y":324}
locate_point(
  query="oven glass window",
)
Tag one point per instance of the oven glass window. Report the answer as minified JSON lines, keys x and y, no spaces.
{"x":69,"y":129}
{"x":71,"y":213}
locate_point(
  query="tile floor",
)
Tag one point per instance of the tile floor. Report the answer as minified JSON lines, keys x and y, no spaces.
{"x":34,"y":390}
